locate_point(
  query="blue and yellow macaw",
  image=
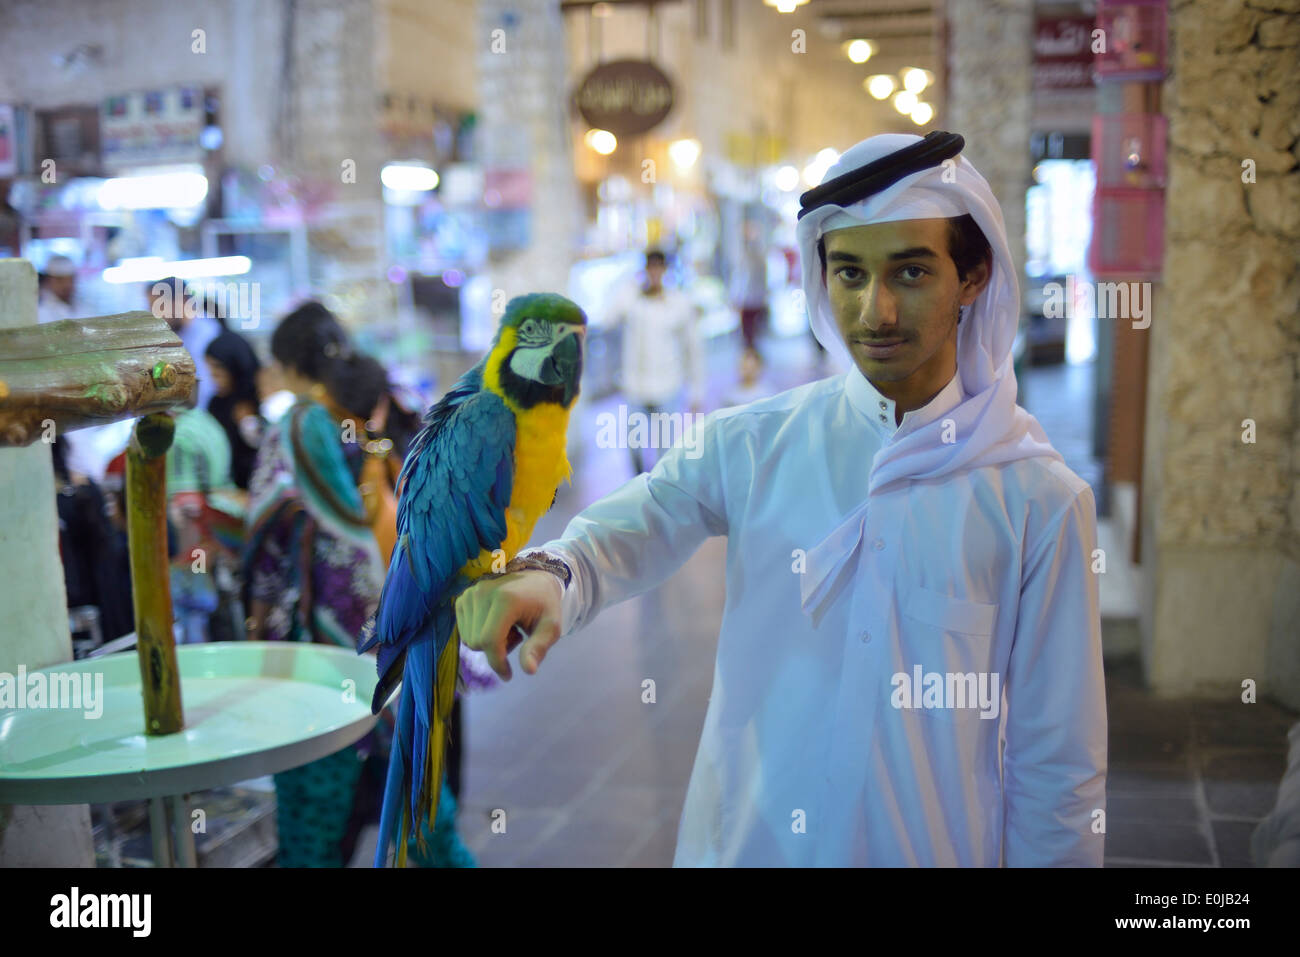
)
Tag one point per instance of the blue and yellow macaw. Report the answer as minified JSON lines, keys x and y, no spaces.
{"x":480,"y":473}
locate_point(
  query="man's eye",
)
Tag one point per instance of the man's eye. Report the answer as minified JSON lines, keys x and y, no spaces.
{"x":921,"y":273}
{"x":843,"y":271}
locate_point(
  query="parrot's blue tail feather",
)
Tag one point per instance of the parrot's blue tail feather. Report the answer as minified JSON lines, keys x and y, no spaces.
{"x":391,"y":812}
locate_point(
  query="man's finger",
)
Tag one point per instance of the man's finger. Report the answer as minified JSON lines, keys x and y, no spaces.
{"x":545,"y":633}
{"x":495,"y":635}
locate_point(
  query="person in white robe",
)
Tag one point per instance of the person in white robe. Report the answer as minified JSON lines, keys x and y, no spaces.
{"x":57,"y":296}
{"x":909,"y":670}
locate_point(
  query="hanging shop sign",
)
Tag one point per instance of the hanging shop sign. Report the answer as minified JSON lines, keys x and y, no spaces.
{"x":1063,"y":58}
{"x":625,"y":97}
{"x":152,"y":127}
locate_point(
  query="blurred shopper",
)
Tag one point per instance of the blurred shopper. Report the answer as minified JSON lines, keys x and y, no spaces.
{"x":57,"y":296}
{"x":206,"y":516}
{"x":233,"y":368}
{"x":359,"y":397}
{"x":167,"y":300}
{"x":749,"y":287}
{"x":661,"y":341}
{"x":96,"y":569}
{"x":311,"y":567}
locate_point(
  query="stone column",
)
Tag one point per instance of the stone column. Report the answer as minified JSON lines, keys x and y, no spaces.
{"x":524,"y":123}
{"x":989,"y":101}
{"x":1222,"y":521}
{"x":33,"y":605}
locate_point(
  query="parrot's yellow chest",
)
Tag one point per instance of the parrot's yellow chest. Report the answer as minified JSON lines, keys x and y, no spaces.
{"x":541,"y":464}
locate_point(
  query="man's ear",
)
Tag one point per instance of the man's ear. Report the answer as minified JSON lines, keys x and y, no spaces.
{"x":976,"y":280}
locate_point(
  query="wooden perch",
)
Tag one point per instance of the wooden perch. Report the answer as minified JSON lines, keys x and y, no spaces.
{"x":146,"y":516}
{"x":67,"y":375}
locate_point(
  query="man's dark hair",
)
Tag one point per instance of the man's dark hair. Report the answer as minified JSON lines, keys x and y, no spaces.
{"x":656,"y":256}
{"x":967,"y":245}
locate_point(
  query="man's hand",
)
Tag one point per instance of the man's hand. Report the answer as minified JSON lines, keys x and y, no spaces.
{"x":487,"y":612}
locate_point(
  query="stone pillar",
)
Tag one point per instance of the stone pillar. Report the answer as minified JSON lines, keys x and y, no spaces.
{"x":1221,"y":535}
{"x":524,"y":124}
{"x":989,"y":101}
{"x":331,"y":117}
{"x":33,"y":605}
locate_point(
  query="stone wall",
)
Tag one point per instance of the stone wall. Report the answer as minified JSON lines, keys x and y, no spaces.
{"x":523,"y":123}
{"x":147,"y":44}
{"x":990,"y":72}
{"x":1222,"y":516}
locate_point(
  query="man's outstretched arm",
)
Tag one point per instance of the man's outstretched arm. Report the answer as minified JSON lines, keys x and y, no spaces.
{"x":1054,"y":767}
{"x":623,"y":545}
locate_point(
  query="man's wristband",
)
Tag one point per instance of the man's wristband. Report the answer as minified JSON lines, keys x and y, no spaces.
{"x":541,"y":561}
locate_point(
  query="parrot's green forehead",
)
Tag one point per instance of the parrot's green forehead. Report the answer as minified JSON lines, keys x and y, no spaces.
{"x":546,"y":306}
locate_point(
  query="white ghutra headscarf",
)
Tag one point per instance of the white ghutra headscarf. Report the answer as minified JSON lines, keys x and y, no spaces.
{"x":991,"y":429}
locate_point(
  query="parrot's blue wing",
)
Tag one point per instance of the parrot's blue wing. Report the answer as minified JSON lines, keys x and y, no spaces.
{"x":454,"y":488}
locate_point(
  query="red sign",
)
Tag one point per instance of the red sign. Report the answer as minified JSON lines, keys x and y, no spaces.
{"x":1063,"y":53}
{"x":507,"y":188}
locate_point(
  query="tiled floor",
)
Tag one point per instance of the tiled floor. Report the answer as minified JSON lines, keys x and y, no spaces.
{"x":1189,"y":778}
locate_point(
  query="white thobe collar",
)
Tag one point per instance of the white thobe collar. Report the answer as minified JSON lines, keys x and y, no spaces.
{"x":880,"y":410}
{"x":837,"y":550}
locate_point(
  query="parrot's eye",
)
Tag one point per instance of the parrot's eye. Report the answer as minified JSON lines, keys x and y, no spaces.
{"x":530,"y":330}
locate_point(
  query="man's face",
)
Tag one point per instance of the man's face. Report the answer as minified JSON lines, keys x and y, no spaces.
{"x":894,"y":292}
{"x":62,"y":286}
{"x":219,"y":376}
{"x":654,"y":274}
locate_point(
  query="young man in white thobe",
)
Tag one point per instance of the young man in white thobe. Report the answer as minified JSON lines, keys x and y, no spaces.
{"x":909,"y":670}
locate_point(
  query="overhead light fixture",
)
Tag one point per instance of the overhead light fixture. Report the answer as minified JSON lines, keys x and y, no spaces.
{"x":684,"y":153}
{"x":880,"y":85}
{"x":786,"y":179}
{"x":922,"y":113}
{"x":785,"y":6}
{"x":859,"y":51}
{"x":408,"y":177}
{"x":153,"y":268}
{"x":915,"y":79}
{"x":815,"y":171}
{"x":179,"y":189}
{"x":905,"y":101}
{"x":602,"y":141}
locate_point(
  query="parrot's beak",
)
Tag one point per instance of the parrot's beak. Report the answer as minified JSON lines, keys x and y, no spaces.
{"x":564,"y":367}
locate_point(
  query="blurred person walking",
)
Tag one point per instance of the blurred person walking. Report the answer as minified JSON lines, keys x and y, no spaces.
{"x":661,"y":340}
{"x":749,"y":287}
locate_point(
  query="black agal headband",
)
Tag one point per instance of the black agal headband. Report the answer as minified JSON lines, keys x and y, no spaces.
{"x":858,"y":184}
